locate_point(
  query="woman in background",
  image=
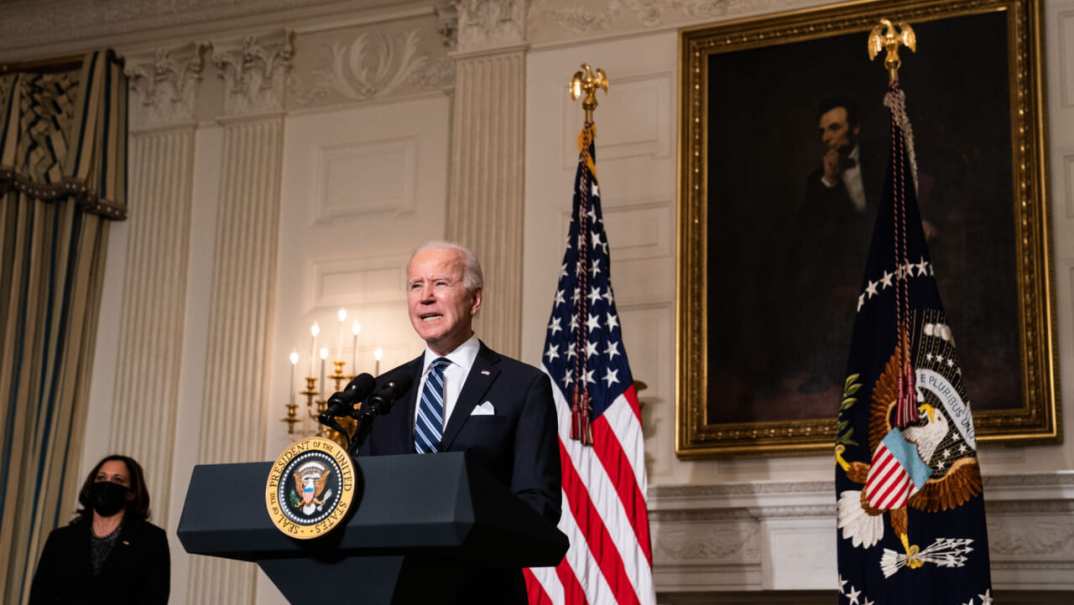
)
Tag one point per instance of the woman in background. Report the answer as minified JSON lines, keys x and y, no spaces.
{"x":110,"y":553}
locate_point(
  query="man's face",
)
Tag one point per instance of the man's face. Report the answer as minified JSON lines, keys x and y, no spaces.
{"x":835,"y":133}
{"x":441,"y":309}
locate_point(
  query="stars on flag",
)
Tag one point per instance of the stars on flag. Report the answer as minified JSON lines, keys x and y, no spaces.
{"x":589,"y":376}
{"x":586,"y":342}
{"x":853,"y":595}
{"x":887,"y":279}
{"x":986,"y":598}
{"x":870,"y":290}
{"x":613,"y":321}
{"x":595,"y":296}
{"x":611,"y":376}
{"x":552,"y":353}
{"x":595,"y":239}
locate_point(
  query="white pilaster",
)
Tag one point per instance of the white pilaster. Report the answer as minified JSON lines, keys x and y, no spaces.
{"x":164,"y":87}
{"x":485,"y":201}
{"x":233,"y":421}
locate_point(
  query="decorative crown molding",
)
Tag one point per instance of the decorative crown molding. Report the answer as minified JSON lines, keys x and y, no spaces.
{"x":165,"y":84}
{"x":33,"y":29}
{"x":559,"y":20}
{"x":254,"y":71}
{"x":447,"y":21}
{"x":489,"y":24}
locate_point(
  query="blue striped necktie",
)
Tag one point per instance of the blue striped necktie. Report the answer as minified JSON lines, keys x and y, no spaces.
{"x":429,"y":424}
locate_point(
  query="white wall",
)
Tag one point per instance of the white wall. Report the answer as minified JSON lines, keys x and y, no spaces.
{"x":362,"y":187}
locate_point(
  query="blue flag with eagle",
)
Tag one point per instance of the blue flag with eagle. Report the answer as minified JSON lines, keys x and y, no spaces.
{"x":911,"y":516}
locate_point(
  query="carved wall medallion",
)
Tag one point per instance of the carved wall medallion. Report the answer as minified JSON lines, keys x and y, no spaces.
{"x":372,"y":65}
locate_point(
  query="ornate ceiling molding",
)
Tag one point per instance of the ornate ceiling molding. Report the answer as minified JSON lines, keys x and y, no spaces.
{"x":164,"y":84}
{"x":33,"y":29}
{"x":561,"y":20}
{"x":254,"y":71}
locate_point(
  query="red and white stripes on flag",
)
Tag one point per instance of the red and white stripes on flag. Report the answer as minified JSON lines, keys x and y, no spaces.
{"x":888,"y":484}
{"x":604,"y":513}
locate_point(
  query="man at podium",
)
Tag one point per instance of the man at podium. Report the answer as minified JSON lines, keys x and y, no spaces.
{"x":465,"y":396}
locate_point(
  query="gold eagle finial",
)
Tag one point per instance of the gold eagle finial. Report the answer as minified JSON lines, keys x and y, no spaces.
{"x":889,"y":36}
{"x":585,"y":82}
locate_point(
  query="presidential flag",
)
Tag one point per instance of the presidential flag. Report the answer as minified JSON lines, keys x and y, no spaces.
{"x":601,"y":446}
{"x":911,"y":518}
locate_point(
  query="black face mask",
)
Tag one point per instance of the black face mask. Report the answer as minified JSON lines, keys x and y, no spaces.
{"x":108,"y":498}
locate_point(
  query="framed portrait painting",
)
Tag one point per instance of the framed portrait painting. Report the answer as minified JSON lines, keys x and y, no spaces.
{"x":767,"y":286}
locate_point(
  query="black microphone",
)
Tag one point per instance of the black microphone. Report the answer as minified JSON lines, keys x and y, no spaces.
{"x":342,"y":402}
{"x":381,"y":401}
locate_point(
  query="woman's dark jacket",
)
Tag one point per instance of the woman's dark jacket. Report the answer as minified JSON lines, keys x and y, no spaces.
{"x":137,"y":571}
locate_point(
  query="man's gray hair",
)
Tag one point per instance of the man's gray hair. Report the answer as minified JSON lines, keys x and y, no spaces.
{"x":473,"y":278}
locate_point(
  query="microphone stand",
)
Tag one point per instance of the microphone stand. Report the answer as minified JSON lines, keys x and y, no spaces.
{"x":365,"y":426}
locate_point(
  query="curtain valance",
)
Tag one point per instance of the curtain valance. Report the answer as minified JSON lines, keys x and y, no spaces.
{"x":63,"y":135}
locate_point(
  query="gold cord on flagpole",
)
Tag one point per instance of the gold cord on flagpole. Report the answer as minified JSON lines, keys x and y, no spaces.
{"x":586,"y":81}
{"x":890,"y":36}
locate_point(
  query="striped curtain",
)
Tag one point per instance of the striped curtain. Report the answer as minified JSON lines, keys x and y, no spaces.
{"x":63,"y":137}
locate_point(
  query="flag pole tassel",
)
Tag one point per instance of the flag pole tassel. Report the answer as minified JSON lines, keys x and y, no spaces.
{"x":581,"y":430}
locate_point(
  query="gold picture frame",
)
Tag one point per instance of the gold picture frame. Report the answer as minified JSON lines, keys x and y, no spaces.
{"x":742,"y":80}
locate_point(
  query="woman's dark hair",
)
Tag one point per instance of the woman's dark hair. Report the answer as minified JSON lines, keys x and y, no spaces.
{"x":138,"y":508}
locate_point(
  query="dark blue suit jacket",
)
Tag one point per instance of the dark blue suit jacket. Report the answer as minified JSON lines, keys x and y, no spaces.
{"x":519,"y":444}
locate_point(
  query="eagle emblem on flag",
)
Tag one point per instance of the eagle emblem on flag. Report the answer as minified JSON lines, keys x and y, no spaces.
{"x":930,"y":466}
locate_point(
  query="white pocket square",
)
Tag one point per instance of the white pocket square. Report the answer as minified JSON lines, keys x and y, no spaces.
{"x":485,"y":409}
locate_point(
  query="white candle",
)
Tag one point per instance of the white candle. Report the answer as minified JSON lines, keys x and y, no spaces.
{"x":378,"y":354}
{"x":315,"y":329}
{"x":293,"y":358}
{"x":341,"y":315}
{"x":324,"y":356}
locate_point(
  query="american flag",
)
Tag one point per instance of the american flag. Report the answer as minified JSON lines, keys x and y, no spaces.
{"x":601,"y":447}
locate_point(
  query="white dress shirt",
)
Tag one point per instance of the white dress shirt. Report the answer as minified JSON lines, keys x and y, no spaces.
{"x":853,"y":181}
{"x":462,"y":359}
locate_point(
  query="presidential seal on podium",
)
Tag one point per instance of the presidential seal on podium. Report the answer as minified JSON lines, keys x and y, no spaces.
{"x":310,"y":488}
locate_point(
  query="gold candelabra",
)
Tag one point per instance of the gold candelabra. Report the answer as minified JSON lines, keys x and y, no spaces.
{"x":317,"y":391}
{"x":317,"y":404}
